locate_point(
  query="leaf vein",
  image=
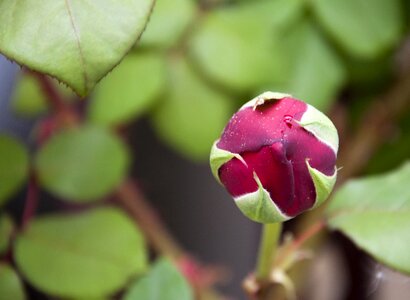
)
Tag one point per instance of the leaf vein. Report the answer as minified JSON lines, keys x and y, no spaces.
{"x":71,"y":249}
{"x":77,"y":39}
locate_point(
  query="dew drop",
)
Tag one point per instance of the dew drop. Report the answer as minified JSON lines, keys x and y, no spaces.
{"x":288,"y":120}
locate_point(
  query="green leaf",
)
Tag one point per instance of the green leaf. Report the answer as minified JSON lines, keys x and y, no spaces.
{"x":375,"y":213}
{"x":364,"y":28}
{"x":163,"y":282}
{"x":29,"y":100}
{"x":259,"y":206}
{"x":192,"y":115}
{"x":87,"y":255}
{"x":10,"y":284}
{"x":82,"y":164}
{"x":129,"y":90}
{"x":314,"y":73}
{"x":168,"y":22}
{"x":78,"y":42}
{"x":13,"y":167}
{"x":6,"y":230}
{"x":236,"y":46}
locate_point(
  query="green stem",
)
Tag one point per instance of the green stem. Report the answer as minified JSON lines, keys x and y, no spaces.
{"x":267,"y":251}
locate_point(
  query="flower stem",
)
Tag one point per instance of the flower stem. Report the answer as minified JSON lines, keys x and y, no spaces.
{"x":267,"y":251}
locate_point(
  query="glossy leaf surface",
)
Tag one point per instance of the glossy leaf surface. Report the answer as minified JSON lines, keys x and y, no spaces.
{"x":78,"y":42}
{"x":375,"y":213}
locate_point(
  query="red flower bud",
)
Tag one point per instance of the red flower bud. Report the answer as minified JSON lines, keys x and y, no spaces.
{"x":276,"y":157}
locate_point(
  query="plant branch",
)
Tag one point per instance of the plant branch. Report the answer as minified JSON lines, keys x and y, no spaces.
{"x":131,"y":198}
{"x":374,"y":129}
{"x":300,"y":241}
{"x":65,"y":115}
{"x":31,"y":202}
{"x":134,"y":202}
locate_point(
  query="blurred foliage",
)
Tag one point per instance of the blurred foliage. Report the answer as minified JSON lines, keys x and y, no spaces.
{"x":365,"y":29}
{"x":395,"y":151}
{"x":82,"y":164}
{"x":316,"y":75}
{"x":129,"y":90}
{"x":87,"y":255}
{"x":168,"y":23}
{"x":29,"y":98}
{"x":163,"y":282}
{"x":6,"y":230}
{"x":10,"y":284}
{"x":13,"y":166}
{"x":193,"y":114}
{"x":232,"y":50}
{"x":235,"y":46}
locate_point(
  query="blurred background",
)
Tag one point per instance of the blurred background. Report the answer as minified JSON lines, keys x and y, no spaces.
{"x":195,"y":64}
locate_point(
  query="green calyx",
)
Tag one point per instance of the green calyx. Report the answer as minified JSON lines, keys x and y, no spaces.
{"x":219,"y":157}
{"x":323,"y":184}
{"x":321,"y":127}
{"x":259,"y":207}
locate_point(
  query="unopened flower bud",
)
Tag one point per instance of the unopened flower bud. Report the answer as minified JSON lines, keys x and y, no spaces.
{"x":276,"y":157}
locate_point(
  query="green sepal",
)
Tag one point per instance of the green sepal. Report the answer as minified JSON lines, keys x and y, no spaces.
{"x":323,"y":184}
{"x":259,"y":207}
{"x":320,"y":126}
{"x":219,"y":157}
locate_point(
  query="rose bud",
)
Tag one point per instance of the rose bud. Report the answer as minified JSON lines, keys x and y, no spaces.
{"x":276,"y":157}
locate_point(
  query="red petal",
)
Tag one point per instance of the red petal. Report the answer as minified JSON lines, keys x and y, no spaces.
{"x":249,"y":130}
{"x":272,"y":168}
{"x":300,"y":146}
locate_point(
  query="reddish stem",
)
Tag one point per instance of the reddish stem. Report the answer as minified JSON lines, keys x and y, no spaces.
{"x":65,"y":115}
{"x":310,"y":232}
{"x":303,"y":238}
{"x":155,"y":231}
{"x":134,"y":202}
{"x":31,"y":202}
